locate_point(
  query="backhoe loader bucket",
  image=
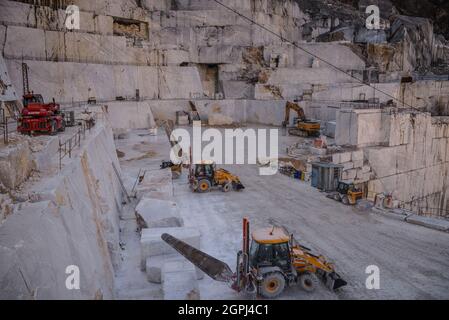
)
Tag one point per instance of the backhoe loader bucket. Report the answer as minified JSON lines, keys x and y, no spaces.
{"x":333,"y":281}
{"x":166,"y":164}
{"x":238,"y":186}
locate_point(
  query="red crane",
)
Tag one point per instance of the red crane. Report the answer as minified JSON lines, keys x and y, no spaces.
{"x":38,"y":116}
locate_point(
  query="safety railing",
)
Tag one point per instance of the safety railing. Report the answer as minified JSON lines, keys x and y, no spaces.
{"x":414,"y":205}
{"x":375,"y":104}
{"x":67,"y":147}
{"x":7,"y":125}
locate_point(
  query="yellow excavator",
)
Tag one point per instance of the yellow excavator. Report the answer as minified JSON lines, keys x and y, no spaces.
{"x":303,"y":127}
{"x":266,"y":266}
{"x":204,"y":176}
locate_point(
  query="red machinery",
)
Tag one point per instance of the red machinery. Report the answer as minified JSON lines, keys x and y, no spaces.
{"x":37,"y":116}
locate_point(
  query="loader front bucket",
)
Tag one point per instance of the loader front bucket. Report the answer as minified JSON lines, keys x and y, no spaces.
{"x":334,"y":281}
{"x":238,"y":186}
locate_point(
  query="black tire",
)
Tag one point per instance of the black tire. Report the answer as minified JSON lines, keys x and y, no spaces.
{"x":53,"y":129}
{"x":194,"y":185}
{"x":297,"y":133}
{"x":345,"y":200}
{"x":273,"y":284}
{"x":63,"y":125}
{"x":227,"y":187}
{"x":337,"y":197}
{"x":203,"y":186}
{"x":308,"y":282}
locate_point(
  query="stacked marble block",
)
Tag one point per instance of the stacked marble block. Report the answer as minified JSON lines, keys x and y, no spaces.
{"x":163,"y":264}
{"x":354,"y":168}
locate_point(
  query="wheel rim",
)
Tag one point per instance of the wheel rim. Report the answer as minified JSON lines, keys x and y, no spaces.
{"x":308,"y":283}
{"x":272,"y":285}
{"x":204,"y":186}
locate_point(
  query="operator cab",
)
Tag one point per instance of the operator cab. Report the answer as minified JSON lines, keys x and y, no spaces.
{"x":345,"y":188}
{"x":205,"y":169}
{"x":270,"y":247}
{"x":32,"y":98}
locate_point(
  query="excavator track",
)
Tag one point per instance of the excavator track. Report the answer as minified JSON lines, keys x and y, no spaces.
{"x":297,"y":133}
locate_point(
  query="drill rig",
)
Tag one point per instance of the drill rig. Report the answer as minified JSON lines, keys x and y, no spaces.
{"x":266,"y":265}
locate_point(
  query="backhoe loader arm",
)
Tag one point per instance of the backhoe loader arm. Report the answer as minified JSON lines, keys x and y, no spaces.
{"x":214,"y":268}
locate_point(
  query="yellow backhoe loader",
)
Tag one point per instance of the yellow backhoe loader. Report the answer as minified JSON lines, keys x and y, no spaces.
{"x":204,"y":176}
{"x":266,"y":266}
{"x":303,"y":127}
{"x":347,"y":193}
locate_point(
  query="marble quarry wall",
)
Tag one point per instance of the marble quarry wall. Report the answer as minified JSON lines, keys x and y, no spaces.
{"x":407,"y":153}
{"x":76,"y":211}
{"x":148,"y":59}
{"x":145,"y":60}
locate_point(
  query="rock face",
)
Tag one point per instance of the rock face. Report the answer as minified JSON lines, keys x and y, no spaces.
{"x":217,"y":119}
{"x":435,"y":10}
{"x":184,"y":50}
{"x":16,"y":164}
{"x":72,"y":221}
{"x":130,"y":115}
{"x":407,"y":153}
{"x":7,"y":90}
{"x":147,"y":59}
{"x":417,"y":34}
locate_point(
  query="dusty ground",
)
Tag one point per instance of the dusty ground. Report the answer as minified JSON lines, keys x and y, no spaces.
{"x":413,"y":260}
{"x":138,"y":151}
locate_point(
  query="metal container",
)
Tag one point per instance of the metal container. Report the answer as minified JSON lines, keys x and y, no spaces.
{"x":325,"y":176}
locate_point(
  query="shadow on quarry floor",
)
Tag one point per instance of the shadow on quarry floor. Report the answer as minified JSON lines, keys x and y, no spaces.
{"x":136,"y":154}
{"x":131,"y":282}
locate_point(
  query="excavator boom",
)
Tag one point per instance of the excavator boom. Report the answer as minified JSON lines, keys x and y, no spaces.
{"x":295,"y":107}
{"x":303,"y":127}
